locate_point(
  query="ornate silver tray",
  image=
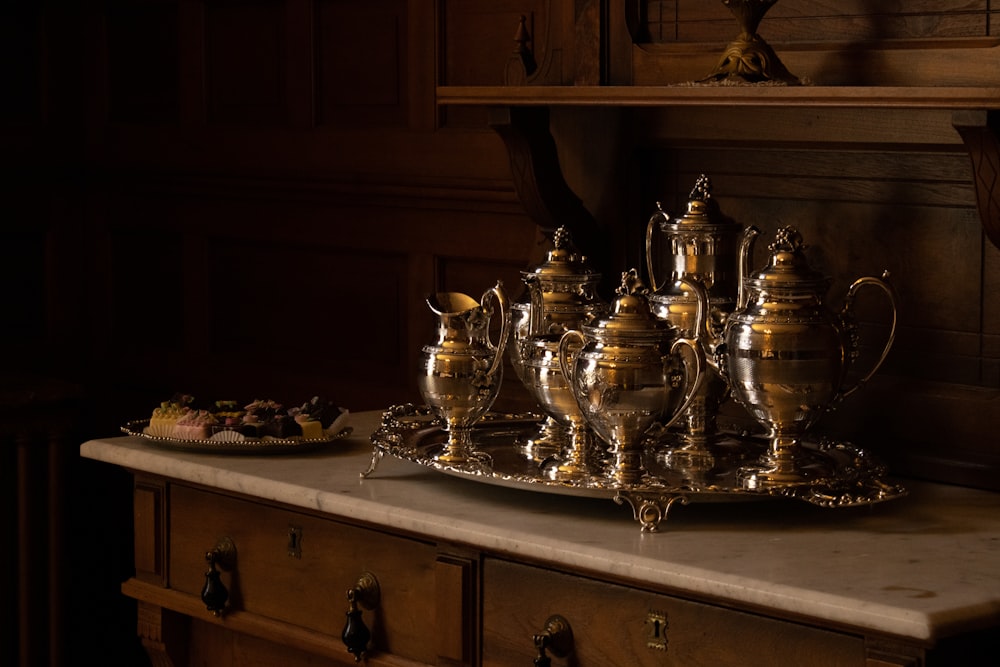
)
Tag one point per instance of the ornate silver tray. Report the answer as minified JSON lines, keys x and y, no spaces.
{"x":414,"y":434}
{"x":265,"y":445}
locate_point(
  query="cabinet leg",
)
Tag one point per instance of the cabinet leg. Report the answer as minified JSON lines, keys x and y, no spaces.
{"x":163,"y":634}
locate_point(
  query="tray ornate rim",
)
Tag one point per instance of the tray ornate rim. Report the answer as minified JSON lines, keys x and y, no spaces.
{"x":267,"y":445}
{"x":413,"y":433}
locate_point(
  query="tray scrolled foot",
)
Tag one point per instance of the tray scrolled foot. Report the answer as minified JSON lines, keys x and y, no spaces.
{"x":650,"y":509}
{"x":377,"y":453}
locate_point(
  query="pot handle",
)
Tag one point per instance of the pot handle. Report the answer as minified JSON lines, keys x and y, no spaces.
{"x":698,"y":352}
{"x":847,"y":317}
{"x":503,"y":304}
{"x":569,"y":371}
{"x":702,"y":324}
{"x":653,"y":287}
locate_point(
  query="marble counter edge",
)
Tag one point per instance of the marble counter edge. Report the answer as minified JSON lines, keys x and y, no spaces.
{"x":683,"y":578}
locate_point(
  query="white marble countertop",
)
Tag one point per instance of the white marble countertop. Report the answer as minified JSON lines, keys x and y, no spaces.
{"x":923,"y":567}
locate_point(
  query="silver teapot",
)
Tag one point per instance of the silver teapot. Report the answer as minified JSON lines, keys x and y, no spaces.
{"x":628,"y":374}
{"x":786,"y":355}
{"x":461,"y":371}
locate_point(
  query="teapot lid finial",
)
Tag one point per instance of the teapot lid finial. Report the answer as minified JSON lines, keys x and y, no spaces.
{"x":632,"y":284}
{"x":563,"y":261}
{"x":630,"y":314}
{"x":787,"y":239}
{"x":701,"y":209}
{"x":702,"y":190}
{"x":787,"y":266}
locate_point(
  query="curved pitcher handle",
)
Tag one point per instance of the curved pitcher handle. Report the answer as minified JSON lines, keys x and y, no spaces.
{"x":699,"y":361}
{"x":504,"y":305}
{"x":702,"y":325}
{"x":564,"y":366}
{"x":849,"y":304}
{"x":653,"y":287}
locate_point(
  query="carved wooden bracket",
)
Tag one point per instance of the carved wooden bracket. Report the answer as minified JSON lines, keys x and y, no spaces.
{"x":538,"y":177}
{"x":980,"y":130}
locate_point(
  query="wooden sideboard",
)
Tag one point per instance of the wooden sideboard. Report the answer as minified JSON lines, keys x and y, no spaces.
{"x":470,"y":573}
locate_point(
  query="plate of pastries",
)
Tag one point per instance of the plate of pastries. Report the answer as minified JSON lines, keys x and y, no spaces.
{"x":257,"y":426}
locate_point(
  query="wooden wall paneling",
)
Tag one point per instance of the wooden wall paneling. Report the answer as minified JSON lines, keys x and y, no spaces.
{"x":821,"y":20}
{"x":266,"y":294}
{"x":300,"y":79}
{"x":143,"y":44}
{"x":887,"y":128}
{"x":478,"y":40}
{"x":363,"y":62}
{"x":192,"y":66}
{"x":421,"y":58}
{"x":21,"y":62}
{"x":246,"y":44}
{"x":827,"y":43}
{"x":24,"y":265}
{"x":991,"y":316}
{"x":962,"y":62}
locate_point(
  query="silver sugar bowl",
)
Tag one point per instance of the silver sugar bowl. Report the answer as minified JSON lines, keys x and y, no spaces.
{"x":575,"y":455}
{"x":562,"y":295}
{"x":628,"y":374}
{"x":786,"y":355}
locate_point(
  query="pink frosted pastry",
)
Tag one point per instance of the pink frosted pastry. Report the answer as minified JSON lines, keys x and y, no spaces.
{"x":195,"y":425}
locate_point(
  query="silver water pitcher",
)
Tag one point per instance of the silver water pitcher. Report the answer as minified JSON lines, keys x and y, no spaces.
{"x":629,"y":373}
{"x":461,"y":371}
{"x":787,"y":355}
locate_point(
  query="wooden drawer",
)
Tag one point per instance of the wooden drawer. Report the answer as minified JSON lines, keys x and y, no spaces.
{"x":310,"y":590}
{"x":617,"y":625}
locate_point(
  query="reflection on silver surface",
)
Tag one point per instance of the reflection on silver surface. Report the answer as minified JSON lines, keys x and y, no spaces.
{"x":461,"y":371}
{"x":848,"y":475}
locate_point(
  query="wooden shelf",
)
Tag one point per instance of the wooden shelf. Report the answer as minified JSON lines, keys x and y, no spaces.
{"x":869,"y":97}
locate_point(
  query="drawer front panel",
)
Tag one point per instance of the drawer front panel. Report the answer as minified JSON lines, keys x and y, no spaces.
{"x":308,"y":589}
{"x":616,"y":625}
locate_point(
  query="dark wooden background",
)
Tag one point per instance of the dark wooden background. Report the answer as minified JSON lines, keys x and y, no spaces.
{"x":250,"y":198}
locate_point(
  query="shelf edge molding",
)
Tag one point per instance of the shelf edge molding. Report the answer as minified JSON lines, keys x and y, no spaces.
{"x":874,"y":97}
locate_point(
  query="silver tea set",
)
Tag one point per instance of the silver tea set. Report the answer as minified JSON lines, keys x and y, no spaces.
{"x":630,"y":390}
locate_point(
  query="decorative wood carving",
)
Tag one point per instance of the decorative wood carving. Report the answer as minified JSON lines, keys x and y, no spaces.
{"x":583,"y":64}
{"x":161,"y":631}
{"x":521,"y":64}
{"x":980,"y":130}
{"x":523,"y":68}
{"x":538,"y":178}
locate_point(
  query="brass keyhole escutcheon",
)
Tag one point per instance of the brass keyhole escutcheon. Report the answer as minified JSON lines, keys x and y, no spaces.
{"x":656,"y":630}
{"x":295,"y":542}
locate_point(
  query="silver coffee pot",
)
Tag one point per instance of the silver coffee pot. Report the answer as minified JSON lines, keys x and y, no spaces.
{"x":786,"y":355}
{"x":697,"y":251}
{"x":628,"y":373}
